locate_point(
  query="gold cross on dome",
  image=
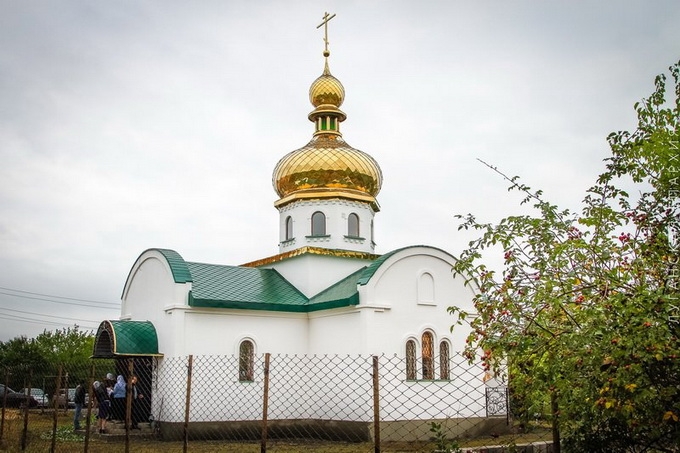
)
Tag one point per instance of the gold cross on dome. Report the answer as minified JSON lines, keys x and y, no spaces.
{"x":326,"y":18}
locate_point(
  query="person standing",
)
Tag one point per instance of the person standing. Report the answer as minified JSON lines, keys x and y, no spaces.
{"x":103,"y":404}
{"x":118,"y":399}
{"x":137,"y":401}
{"x":79,"y":400}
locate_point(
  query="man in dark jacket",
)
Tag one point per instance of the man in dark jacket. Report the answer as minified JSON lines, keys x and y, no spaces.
{"x":79,"y":400}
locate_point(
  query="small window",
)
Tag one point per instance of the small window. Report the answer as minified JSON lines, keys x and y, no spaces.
{"x":411,"y":360}
{"x":372,"y":233}
{"x":444,"y":361}
{"x":428,"y":359}
{"x":246,"y":359}
{"x":289,"y":228}
{"x":353,"y":225}
{"x":318,"y":224}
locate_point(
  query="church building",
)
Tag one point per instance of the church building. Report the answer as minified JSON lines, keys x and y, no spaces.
{"x":328,"y":291}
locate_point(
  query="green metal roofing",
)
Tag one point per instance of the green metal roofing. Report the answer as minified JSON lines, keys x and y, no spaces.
{"x":126,"y":338}
{"x":218,"y":286}
{"x":252,"y":288}
{"x":374,"y":266}
{"x":180,"y":271}
{"x":342,"y":294}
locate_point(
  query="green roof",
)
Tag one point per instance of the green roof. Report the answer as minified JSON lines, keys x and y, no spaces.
{"x":342,"y":294}
{"x":180,"y":271}
{"x":125,"y":338}
{"x":218,"y":286}
{"x":252,"y":288}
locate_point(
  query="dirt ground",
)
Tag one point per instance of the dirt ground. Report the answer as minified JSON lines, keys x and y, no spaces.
{"x":40,"y":425}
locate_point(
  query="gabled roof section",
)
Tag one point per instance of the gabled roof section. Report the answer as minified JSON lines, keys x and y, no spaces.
{"x":342,"y":294}
{"x":218,"y":286}
{"x":125,"y":339}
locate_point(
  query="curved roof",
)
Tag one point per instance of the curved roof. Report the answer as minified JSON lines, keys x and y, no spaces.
{"x":179,"y":268}
{"x":370,"y":270}
{"x":125,"y":338}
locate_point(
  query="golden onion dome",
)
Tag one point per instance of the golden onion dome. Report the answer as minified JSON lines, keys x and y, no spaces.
{"x":327,"y":164}
{"x":327,"y":167}
{"x":326,"y":90}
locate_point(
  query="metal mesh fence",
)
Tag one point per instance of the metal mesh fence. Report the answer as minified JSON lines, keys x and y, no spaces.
{"x":259,"y":402}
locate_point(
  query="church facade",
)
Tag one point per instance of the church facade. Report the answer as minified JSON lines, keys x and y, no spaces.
{"x":326,"y":292}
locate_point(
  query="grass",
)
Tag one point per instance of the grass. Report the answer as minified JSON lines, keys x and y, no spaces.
{"x":39,"y":439}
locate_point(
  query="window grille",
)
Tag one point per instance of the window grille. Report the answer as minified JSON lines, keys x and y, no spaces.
{"x":246,"y":361}
{"x":428,"y":359}
{"x":411,"y":360}
{"x":444,"y":360}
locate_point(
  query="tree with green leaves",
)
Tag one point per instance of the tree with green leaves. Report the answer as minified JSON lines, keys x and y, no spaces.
{"x":584,"y":317}
{"x":38,"y":359}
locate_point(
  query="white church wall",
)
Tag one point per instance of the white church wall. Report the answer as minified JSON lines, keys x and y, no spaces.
{"x":395,"y":285}
{"x":149,"y":291}
{"x":219,"y":331}
{"x":327,"y":387}
{"x":337,"y":331}
{"x":311,"y":274}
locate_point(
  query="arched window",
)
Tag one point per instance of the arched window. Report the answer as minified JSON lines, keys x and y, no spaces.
{"x":426,"y":288}
{"x":318,"y":224}
{"x":246,"y":359}
{"x":428,"y":359}
{"x":353,"y":225}
{"x":444,"y":361}
{"x":372,"y":236}
{"x":411,"y":360}
{"x":289,"y":228}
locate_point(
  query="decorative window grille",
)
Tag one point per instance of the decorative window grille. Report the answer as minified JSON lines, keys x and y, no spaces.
{"x":444,"y":361}
{"x":246,"y":360}
{"x":428,"y":356}
{"x":411,"y":360}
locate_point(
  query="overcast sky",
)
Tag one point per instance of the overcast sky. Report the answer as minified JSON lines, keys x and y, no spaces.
{"x":126,"y":125}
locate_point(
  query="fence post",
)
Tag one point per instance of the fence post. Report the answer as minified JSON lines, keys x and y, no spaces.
{"x":4,"y":403}
{"x":90,"y":386}
{"x":376,"y":405}
{"x":55,"y":406}
{"x":24,"y":432}
{"x":265,"y":404}
{"x":187,"y":403}
{"x":128,"y":403}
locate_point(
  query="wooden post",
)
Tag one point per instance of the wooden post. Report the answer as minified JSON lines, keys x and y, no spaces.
{"x":187,"y":403}
{"x":265,"y":404}
{"x":376,"y":405}
{"x":88,"y":416}
{"x":4,"y":404}
{"x":128,"y":403}
{"x":24,"y":432}
{"x":55,"y":404}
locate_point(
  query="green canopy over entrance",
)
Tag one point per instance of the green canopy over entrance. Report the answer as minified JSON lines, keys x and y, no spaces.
{"x":116,"y":339}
